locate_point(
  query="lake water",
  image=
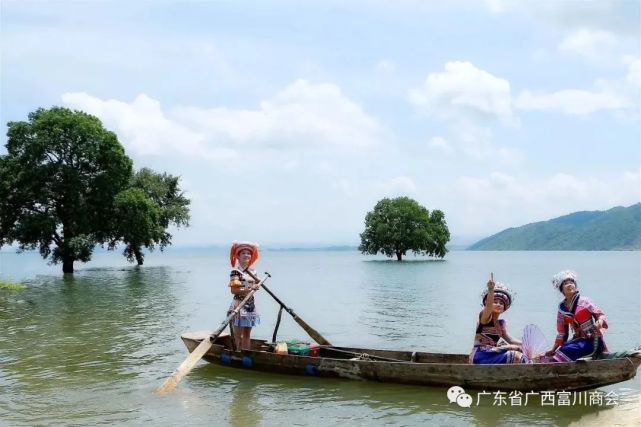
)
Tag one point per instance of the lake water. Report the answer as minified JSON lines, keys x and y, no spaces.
{"x":91,"y":349}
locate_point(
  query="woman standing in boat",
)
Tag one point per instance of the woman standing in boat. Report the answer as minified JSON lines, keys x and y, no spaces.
{"x":490,"y":329}
{"x":585,"y":318}
{"x":242,"y":256}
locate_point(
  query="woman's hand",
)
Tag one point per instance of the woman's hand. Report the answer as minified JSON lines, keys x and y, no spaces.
{"x":490,"y":284}
{"x":599,"y":323}
{"x":550,"y":352}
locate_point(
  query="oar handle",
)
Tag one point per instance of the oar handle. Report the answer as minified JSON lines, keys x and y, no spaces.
{"x":202,"y":348}
{"x":316,"y":336}
{"x":282,"y":304}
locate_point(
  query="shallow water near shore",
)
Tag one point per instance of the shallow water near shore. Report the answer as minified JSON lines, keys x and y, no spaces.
{"x":90,"y":349}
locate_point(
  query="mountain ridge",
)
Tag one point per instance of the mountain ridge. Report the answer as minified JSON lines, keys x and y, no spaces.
{"x":618,"y":228}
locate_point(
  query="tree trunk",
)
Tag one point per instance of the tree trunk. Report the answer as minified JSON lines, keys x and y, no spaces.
{"x":67,"y":265}
{"x":139,"y":256}
{"x":399,"y":256}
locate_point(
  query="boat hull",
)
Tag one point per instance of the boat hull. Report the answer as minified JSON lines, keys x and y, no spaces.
{"x":420,"y":368}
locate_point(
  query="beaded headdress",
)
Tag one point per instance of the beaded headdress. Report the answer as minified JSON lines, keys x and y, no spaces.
{"x":502,"y":293}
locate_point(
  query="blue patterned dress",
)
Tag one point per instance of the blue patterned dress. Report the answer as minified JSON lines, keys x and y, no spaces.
{"x":486,"y":344}
{"x":248,"y":316}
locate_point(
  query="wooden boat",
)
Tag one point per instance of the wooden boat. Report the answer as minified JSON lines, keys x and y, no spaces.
{"x":421,"y":368}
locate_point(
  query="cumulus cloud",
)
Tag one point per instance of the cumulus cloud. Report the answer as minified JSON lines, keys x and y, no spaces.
{"x":302,"y":115}
{"x":470,"y":100}
{"x":144,"y":127}
{"x":464,"y":91}
{"x":572,"y":101}
{"x":595,"y":45}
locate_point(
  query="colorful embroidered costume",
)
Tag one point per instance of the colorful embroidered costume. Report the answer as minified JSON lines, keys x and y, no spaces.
{"x":486,"y":341}
{"x":248,"y":316}
{"x":486,"y":344}
{"x":587,"y":339}
{"x":240,"y":279}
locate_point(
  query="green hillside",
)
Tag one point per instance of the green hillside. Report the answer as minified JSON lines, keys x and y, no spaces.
{"x":618,"y":228}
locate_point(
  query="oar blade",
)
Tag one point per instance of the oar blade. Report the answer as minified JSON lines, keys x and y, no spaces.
{"x":184,"y":368}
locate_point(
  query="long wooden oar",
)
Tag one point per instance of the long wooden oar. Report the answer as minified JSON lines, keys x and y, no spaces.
{"x":184,"y":368}
{"x":310,"y":331}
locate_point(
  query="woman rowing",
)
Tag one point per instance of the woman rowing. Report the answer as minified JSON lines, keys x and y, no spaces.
{"x":497,"y":298}
{"x":242,"y":256}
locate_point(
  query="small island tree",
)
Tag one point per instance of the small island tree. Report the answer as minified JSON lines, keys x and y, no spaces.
{"x":66,"y":185}
{"x":398,"y":225}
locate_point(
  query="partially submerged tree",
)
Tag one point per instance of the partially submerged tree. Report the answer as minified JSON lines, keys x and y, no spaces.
{"x":398,"y":225}
{"x":66,"y":185}
{"x":146,"y":210}
{"x":58,"y":180}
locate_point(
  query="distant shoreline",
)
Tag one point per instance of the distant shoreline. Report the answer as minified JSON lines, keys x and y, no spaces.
{"x":334,"y":248}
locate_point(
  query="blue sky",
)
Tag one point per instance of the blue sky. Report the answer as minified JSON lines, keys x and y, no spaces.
{"x":288,"y":122}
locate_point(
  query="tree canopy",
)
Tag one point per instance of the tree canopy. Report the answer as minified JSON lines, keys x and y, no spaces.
{"x":66,"y":185}
{"x":398,"y":225}
{"x":145,"y":211}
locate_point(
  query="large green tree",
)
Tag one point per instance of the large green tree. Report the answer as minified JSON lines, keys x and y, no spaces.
{"x":145,"y":210}
{"x":59,"y":177}
{"x":66,"y":185}
{"x":398,"y":225}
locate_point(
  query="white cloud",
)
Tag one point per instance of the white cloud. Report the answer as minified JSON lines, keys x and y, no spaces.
{"x":496,"y":6}
{"x":634,"y":72}
{"x":500,"y":200}
{"x":394,"y":187}
{"x":595,"y":45}
{"x":303,"y":115}
{"x":143,"y":126}
{"x":572,"y":101}
{"x":477,"y":142}
{"x":385,"y":67}
{"x":440,"y":144}
{"x":464,"y":91}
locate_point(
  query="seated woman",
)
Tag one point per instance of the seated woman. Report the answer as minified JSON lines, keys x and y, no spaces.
{"x":242,"y":255}
{"x":490,"y":329}
{"x":585,"y":318}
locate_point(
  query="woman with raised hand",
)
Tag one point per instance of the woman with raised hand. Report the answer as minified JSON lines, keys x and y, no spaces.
{"x":242,"y":256}
{"x":497,"y":298}
{"x":584,"y":317}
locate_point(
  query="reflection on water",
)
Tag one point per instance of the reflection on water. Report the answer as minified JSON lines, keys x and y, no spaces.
{"x":245,"y":407}
{"x":65,"y":336}
{"x":403,"y":304}
{"x":92,"y":348}
{"x":257,"y":397}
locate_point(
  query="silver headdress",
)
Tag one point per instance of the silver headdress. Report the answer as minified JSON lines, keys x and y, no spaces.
{"x":562,"y":276}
